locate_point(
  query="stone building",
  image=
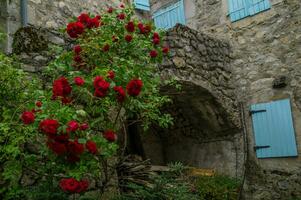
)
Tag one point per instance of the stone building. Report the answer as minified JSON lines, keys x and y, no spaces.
{"x":262,"y":76}
{"x":231,"y":57}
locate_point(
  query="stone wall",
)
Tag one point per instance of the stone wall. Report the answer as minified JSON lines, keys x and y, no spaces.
{"x":265,"y":47}
{"x":206,"y":131}
{"x":46,"y":14}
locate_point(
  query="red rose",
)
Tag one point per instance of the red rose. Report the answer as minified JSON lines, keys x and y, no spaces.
{"x":39,"y":104}
{"x":62,"y":138}
{"x":77,"y":59}
{"x":147,"y":29}
{"x":121,"y":16}
{"x":98,"y":17}
{"x":83,"y":18}
{"x":27,"y":117}
{"x":130,"y":27}
{"x":106,"y":47}
{"x":110,"y":10}
{"x":75,"y":148}
{"x":77,"y":49}
{"x":66,"y":100}
{"x":91,"y":146}
{"x":49,"y":126}
{"x":58,"y":148}
{"x":83,"y":186}
{"x":134,"y":87}
{"x":120,"y":93}
{"x":72,"y":126}
{"x":153,"y":53}
{"x":128,"y":38}
{"x":101,"y":87}
{"x":84,"y":126}
{"x":141,"y":27}
{"x":111,"y":74}
{"x":69,"y":185}
{"x":79,"y":81}
{"x":156,"y":35}
{"x":74,"y":29}
{"x":61,"y":87}
{"x":93,"y":23}
{"x":110,"y":135}
{"x":165,"y":50}
{"x":156,"y":41}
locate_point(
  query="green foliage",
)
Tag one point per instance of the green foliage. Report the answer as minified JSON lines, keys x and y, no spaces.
{"x":176,"y":185}
{"x":217,"y":188}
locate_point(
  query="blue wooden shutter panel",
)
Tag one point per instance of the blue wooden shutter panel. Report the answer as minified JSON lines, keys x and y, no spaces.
{"x":273,"y":127}
{"x":169,"y":16}
{"x":142,"y":5}
{"x":239,"y":9}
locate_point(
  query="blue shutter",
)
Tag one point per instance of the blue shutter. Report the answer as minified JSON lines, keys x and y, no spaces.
{"x":238,"y":9}
{"x":168,"y":17}
{"x":256,"y":6}
{"x":273,"y":129}
{"x":142,"y":4}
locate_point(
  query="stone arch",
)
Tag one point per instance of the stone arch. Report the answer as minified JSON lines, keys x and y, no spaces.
{"x":206,"y":131}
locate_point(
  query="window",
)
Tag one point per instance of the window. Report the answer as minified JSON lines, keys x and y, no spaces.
{"x":142,"y":5}
{"x":239,"y":9}
{"x":169,"y":16}
{"x":273,"y":129}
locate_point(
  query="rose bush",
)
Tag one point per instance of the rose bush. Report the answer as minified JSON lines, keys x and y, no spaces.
{"x":110,"y":76}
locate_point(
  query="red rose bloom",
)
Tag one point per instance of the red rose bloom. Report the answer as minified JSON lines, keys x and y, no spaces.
{"x":75,"y":148}
{"x":27,"y":117}
{"x":141,"y":27}
{"x":61,"y":87}
{"x":156,"y":41}
{"x":130,"y":27}
{"x":93,"y":23}
{"x":110,"y":10}
{"x":110,"y":135}
{"x":156,"y":35}
{"x":72,"y":126}
{"x":49,"y":126}
{"x":120,"y":93}
{"x":79,"y":81}
{"x":128,"y":38}
{"x":69,"y":185}
{"x":77,"y":59}
{"x":153,"y":53}
{"x":111,"y":74}
{"x":58,"y":148}
{"x":165,"y":50}
{"x":101,"y":87}
{"x":77,"y":49}
{"x":98,"y":17}
{"x":83,"y":18}
{"x":121,"y":16}
{"x":84,"y":126}
{"x":39,"y":104}
{"x":74,"y":29}
{"x":134,"y":87}
{"x":91,"y":146}
{"x":83,"y":186}
{"x":106,"y":47}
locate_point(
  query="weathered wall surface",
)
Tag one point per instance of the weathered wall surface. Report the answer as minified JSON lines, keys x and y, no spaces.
{"x":46,"y":14}
{"x":206,"y":131}
{"x":265,"y":46}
